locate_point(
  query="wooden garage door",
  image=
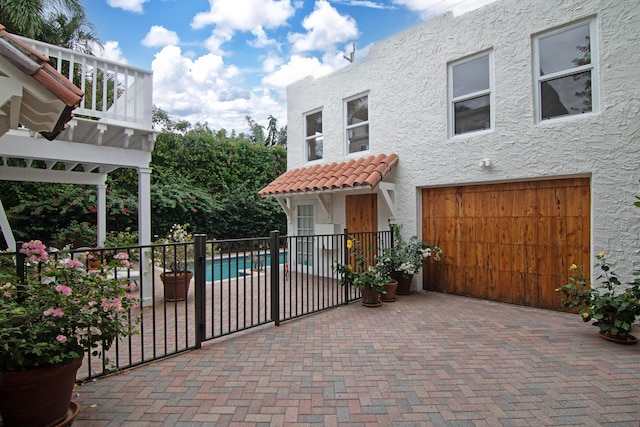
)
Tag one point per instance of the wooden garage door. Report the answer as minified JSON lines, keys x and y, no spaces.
{"x":507,"y":242}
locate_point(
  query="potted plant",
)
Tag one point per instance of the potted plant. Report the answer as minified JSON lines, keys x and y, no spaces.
{"x":48,"y":321}
{"x":611,"y":306}
{"x":362,"y":276}
{"x":174,"y":258}
{"x":405,"y":258}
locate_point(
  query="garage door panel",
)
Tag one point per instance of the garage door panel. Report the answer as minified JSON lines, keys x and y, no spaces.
{"x":508,"y":242}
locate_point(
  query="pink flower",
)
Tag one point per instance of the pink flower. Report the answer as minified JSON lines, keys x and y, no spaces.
{"x":35,"y":251}
{"x":64,"y":290}
{"x":74,"y":263}
{"x":121,"y":255}
{"x":61,"y":338}
{"x":55,"y":312}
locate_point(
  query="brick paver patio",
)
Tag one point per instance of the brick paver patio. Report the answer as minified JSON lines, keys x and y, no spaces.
{"x":427,"y":359}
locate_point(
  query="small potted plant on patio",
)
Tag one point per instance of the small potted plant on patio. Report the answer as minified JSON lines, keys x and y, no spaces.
{"x":611,"y":306}
{"x":361,"y":275}
{"x":173,"y":255}
{"x":48,"y":321}
{"x":405,"y":258}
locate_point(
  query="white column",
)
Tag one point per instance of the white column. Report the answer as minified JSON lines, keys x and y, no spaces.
{"x":6,"y":229}
{"x":144,"y":232}
{"x":102,"y":212}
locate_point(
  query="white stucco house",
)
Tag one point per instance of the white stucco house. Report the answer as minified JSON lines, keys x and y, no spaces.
{"x":509,"y":136}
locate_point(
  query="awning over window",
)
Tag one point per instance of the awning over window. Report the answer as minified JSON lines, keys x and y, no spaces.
{"x":362,"y":172}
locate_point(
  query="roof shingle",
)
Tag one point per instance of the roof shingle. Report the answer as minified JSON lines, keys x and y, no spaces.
{"x":362,"y":172}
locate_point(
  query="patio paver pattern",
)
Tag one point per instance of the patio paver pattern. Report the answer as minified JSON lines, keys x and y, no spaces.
{"x":428,"y":359}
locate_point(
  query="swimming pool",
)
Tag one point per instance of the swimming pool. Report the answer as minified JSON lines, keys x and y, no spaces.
{"x":234,"y":266}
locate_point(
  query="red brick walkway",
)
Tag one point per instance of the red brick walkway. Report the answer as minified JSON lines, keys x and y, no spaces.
{"x":427,"y":359}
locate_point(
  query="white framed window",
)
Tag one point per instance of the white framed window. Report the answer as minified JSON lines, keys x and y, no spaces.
{"x":313,"y":136}
{"x":305,"y":227}
{"x":565,"y":71}
{"x":357,"y":124}
{"x":471,"y":94}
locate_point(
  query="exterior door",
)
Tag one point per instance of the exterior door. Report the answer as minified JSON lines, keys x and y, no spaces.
{"x":510,"y":242}
{"x":362,"y":222}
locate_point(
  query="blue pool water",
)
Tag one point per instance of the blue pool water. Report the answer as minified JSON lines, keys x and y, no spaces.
{"x":224,"y":268}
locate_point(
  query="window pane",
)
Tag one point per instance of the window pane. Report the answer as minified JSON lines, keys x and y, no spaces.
{"x":566,"y":95}
{"x":358,"y":138}
{"x":314,"y":149}
{"x":314,"y":123}
{"x":472,"y":114}
{"x":358,"y":110}
{"x":471,"y":76}
{"x":566,"y":50}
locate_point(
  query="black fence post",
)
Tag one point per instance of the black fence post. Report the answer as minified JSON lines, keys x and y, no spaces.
{"x":345,"y":260}
{"x":274,"y":248}
{"x":200,"y":256}
{"x":21,"y":259}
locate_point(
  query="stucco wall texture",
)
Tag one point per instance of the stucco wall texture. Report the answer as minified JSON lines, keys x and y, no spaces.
{"x":406,"y":79}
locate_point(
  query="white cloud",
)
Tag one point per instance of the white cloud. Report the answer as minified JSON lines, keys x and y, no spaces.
{"x":245,"y":15}
{"x":296,"y":69}
{"x":261,"y":40}
{"x":429,"y":8}
{"x":365,"y":3}
{"x":325,"y":28}
{"x":158,"y":36}
{"x":111,"y":51}
{"x":208,"y":90}
{"x":130,"y":5}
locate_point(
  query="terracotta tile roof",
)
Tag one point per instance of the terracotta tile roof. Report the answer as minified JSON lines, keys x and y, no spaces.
{"x":362,"y":172}
{"x":36,"y":65}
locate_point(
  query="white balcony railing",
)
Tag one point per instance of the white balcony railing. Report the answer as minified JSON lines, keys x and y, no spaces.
{"x":115,"y":93}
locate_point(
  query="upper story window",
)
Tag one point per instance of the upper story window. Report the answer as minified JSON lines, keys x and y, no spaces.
{"x":313,"y":136}
{"x":471,"y":93}
{"x":357,"y":128}
{"x":565,"y":72}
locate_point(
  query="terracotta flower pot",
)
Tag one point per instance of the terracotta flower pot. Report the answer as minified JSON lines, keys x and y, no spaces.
{"x":38,"y":397}
{"x":391,"y":288}
{"x":404,"y":282}
{"x":176,"y":285}
{"x":370,"y":297}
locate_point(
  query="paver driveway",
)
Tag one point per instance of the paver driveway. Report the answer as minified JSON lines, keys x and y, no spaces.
{"x":426,"y":359}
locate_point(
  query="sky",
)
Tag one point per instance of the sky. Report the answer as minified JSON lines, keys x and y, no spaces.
{"x":218,"y":61}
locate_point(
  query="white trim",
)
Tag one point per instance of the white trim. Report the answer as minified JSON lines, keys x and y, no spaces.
{"x":348,"y":127}
{"x":592,"y":67}
{"x":315,"y":137}
{"x":489,"y":91}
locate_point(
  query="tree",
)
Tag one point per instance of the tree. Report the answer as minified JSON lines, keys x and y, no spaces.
{"x":30,"y":18}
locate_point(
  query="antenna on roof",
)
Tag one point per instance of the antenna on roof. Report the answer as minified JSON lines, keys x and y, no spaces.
{"x":351,"y":55}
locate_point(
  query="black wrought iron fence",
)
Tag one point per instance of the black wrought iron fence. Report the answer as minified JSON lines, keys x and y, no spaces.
{"x":234,"y":285}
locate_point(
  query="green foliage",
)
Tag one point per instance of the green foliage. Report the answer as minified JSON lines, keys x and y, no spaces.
{"x":360,"y":274}
{"x":178,"y":203}
{"x":611,"y":307}
{"x":76,"y":235}
{"x":209,"y":180}
{"x":62,"y":311}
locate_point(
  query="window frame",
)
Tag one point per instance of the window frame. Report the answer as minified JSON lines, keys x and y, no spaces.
{"x":592,"y":68}
{"x":315,"y":137}
{"x":348,"y":127}
{"x":305,"y":254}
{"x":471,"y":95}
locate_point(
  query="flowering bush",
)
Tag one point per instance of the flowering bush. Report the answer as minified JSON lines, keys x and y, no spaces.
{"x":61,"y":310}
{"x":360,"y":275}
{"x":610,"y":306}
{"x":173,"y":257}
{"x":405,"y":257}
